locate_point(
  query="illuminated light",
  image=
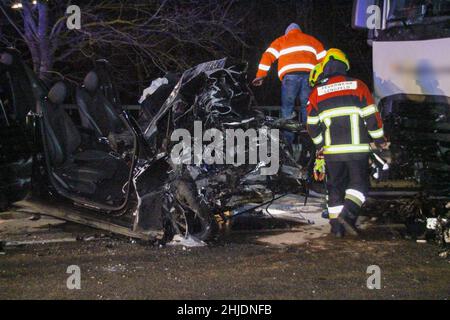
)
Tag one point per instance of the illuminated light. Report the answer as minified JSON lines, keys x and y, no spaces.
{"x":16,"y":6}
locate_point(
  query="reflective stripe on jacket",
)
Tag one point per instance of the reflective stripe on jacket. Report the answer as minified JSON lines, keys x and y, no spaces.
{"x":295,"y":52}
{"x":343,"y":118}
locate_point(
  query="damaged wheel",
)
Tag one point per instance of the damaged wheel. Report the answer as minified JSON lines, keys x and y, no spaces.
{"x":184,"y":214}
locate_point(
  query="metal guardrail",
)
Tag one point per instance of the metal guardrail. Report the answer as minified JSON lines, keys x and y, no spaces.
{"x":272,"y":110}
{"x":131,"y":107}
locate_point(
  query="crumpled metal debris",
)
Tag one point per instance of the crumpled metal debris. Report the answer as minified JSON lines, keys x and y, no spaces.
{"x":216,"y":95}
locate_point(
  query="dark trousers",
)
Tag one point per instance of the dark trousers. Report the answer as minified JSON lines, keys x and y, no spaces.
{"x":347,"y":186}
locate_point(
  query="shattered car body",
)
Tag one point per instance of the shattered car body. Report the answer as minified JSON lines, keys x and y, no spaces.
{"x":130,"y":186}
{"x":214,"y":96}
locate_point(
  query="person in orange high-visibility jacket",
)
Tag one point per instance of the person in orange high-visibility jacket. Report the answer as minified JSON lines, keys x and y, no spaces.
{"x":297,"y":54}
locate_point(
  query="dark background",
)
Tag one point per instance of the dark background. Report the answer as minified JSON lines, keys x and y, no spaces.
{"x":253,"y":25}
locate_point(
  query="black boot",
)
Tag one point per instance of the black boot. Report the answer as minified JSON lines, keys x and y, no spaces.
{"x":348,"y":223}
{"x":337,"y":229}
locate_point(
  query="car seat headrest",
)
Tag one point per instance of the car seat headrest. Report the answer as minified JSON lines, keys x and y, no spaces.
{"x":6,"y":58}
{"x":91,"y":81}
{"x":58,"y":93}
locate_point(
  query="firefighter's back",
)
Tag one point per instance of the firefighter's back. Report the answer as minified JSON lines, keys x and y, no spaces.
{"x":346,"y":110}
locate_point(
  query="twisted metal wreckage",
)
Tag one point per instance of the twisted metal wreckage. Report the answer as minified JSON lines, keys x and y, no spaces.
{"x":216,"y":96}
{"x":119,"y":175}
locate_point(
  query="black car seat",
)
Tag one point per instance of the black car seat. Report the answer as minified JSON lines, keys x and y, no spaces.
{"x":76,"y":167}
{"x":96,"y":112}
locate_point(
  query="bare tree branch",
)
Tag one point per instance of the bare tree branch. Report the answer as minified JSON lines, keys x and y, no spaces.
{"x":144,"y":38}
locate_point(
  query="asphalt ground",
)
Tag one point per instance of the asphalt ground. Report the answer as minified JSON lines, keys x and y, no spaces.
{"x":290,"y":261}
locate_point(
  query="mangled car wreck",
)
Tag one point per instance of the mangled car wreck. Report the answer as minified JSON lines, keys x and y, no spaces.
{"x":198,"y":151}
{"x":131,"y":176}
{"x":213,"y":98}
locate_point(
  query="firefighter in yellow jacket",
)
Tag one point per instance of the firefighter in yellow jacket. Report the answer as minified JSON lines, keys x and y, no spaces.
{"x":342,"y":121}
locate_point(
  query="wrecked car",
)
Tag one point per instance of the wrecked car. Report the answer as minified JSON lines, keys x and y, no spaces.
{"x":113,"y":172}
{"x":214,"y":98}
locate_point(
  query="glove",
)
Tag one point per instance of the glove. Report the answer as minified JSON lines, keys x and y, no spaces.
{"x":319,"y":168}
{"x":384,"y":146}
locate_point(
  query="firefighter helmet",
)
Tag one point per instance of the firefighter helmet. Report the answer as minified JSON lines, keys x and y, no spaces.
{"x":314,"y":74}
{"x":337,"y":55}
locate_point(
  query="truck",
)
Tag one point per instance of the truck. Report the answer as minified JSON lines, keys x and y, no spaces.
{"x":410,"y":42}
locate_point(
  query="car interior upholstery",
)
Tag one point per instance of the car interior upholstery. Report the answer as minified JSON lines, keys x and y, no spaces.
{"x":79,"y":166}
{"x":99,"y":114}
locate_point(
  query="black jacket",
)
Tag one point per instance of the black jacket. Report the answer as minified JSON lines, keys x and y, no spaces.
{"x":343,"y":118}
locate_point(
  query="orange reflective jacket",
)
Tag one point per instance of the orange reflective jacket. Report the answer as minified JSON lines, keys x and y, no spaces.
{"x":295,"y":51}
